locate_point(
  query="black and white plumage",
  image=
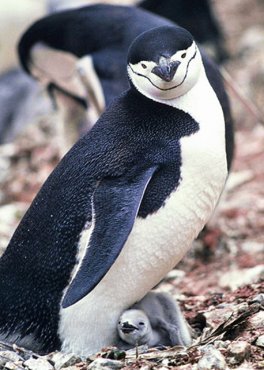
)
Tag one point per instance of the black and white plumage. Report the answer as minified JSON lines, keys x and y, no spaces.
{"x":95,"y":39}
{"x":122,"y":207}
{"x":156,"y":320}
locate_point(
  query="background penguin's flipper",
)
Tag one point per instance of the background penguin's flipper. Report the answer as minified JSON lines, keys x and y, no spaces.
{"x":116,"y":203}
{"x":56,"y":67}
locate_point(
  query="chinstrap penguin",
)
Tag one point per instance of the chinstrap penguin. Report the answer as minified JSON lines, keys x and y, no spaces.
{"x":122,"y":207}
{"x":156,"y":320}
{"x":56,"y":48}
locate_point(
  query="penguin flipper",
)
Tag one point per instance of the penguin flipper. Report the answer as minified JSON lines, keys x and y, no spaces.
{"x":56,"y":67}
{"x":116,"y":202}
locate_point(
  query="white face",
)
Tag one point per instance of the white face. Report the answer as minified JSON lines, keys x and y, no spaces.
{"x":153,"y":86}
{"x":140,"y":329}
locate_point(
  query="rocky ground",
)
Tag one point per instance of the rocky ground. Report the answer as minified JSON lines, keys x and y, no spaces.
{"x":220,"y":283}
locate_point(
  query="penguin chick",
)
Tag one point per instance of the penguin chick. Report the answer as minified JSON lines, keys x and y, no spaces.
{"x":134,"y":328}
{"x":155,"y":320}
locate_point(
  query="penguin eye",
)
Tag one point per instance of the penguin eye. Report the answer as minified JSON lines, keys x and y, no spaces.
{"x":141,"y":323}
{"x":143,"y":65}
{"x":183,"y":55}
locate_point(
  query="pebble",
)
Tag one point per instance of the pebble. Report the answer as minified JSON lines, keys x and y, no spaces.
{"x":62,"y":360}
{"x":212,"y":359}
{"x":259,"y":298}
{"x":252,"y":38}
{"x":104,"y":363}
{"x":260,"y":341}
{"x":38,"y":364}
{"x":237,"y":352}
{"x":175,"y":275}
{"x":7,"y":356}
{"x":256,"y":321}
{"x":239,"y":277}
{"x":252,"y":247}
{"x":221,"y":344}
{"x":12,"y":366}
{"x":221,"y":313}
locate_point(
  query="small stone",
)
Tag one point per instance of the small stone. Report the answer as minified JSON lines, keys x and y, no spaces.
{"x":256,"y":321}
{"x":62,"y":360}
{"x":242,"y":307}
{"x":219,"y":314}
{"x":175,"y":275}
{"x":187,"y":367}
{"x":252,"y":38}
{"x":212,"y":359}
{"x":12,"y":366}
{"x":259,"y":298}
{"x":146,"y":367}
{"x":239,"y":277}
{"x":221,"y":344}
{"x":260,"y":341}
{"x":38,"y":364}
{"x":260,"y":365}
{"x":104,"y":363}
{"x":6,"y":356}
{"x":252,"y":247}
{"x":238,"y":352}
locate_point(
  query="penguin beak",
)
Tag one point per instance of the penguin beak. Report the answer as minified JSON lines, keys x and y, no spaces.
{"x":128,"y":328}
{"x":166,"y":69}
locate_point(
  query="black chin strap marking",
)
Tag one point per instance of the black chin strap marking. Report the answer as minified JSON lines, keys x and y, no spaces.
{"x":171,"y":88}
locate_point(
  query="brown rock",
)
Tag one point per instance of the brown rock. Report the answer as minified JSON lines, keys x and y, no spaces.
{"x":238,"y":351}
{"x":212,"y":359}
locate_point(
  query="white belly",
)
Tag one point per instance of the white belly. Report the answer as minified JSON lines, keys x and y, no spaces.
{"x":157,"y":243}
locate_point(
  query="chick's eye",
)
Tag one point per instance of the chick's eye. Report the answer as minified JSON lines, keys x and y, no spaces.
{"x":143,"y":65}
{"x":183,"y":55}
{"x":141,"y":323}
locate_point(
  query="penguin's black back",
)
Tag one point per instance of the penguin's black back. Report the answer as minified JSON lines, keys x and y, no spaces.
{"x":89,"y":30}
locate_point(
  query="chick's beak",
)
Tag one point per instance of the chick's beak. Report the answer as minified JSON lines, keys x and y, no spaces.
{"x":166,"y":69}
{"x":128,"y":328}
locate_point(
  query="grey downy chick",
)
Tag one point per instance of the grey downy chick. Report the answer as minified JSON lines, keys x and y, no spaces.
{"x":155,"y":320}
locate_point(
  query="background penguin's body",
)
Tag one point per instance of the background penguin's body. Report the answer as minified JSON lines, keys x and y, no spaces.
{"x":121,"y":208}
{"x":196,"y":16}
{"x":104,"y":33}
{"x":156,"y":320}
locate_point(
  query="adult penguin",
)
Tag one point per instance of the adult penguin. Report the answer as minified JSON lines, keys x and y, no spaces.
{"x":91,"y":44}
{"x":122,"y":207}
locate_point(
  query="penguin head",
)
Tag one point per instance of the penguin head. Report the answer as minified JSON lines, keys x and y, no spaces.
{"x":164,"y":62}
{"x":134,"y":327}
